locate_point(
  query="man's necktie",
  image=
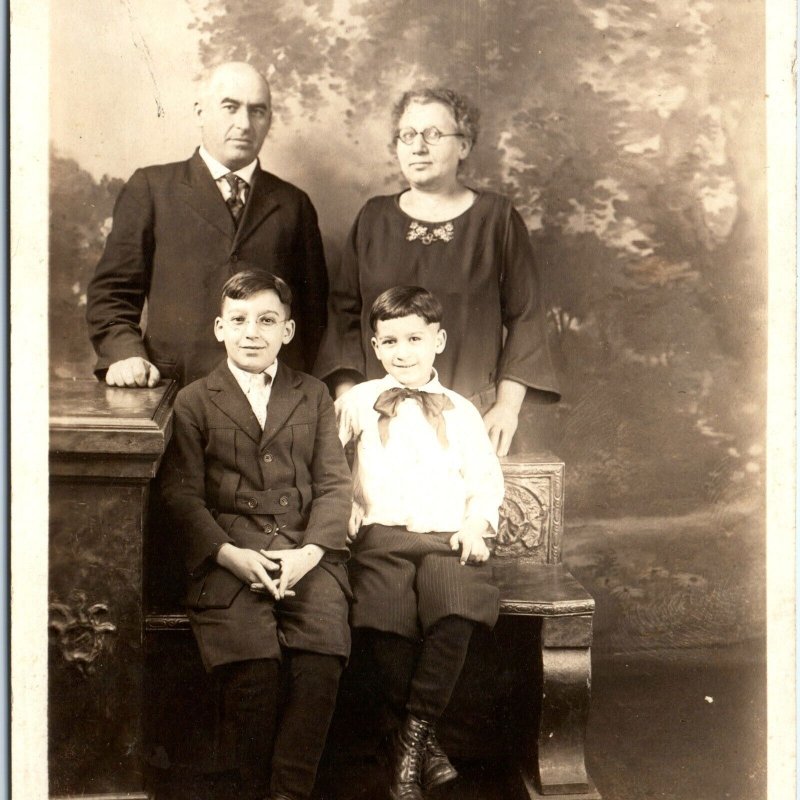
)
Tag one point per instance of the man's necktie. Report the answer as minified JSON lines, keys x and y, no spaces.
{"x":257,"y":395}
{"x":235,"y":202}
{"x":432,"y":406}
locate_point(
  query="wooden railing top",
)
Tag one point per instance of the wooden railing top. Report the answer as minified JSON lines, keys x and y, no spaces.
{"x":101,"y":431}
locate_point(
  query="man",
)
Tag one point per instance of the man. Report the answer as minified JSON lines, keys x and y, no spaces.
{"x":182,"y":229}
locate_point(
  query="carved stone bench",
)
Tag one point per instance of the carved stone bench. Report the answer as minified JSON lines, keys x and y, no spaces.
{"x":113,"y":688}
{"x":535,"y":588}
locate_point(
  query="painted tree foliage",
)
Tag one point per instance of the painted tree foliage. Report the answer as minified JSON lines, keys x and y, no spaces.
{"x":619,"y":130}
{"x":80,"y":220}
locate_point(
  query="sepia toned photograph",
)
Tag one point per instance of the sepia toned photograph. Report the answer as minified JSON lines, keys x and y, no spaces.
{"x":403,"y":404}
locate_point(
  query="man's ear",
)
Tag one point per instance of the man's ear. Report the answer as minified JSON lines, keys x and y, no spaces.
{"x":198,"y":113}
{"x":218,"y":332}
{"x":374,"y":342}
{"x":441,"y":340}
{"x":288,"y":331}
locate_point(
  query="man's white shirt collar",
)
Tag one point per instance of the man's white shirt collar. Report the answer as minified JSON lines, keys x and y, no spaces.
{"x":218,"y":170}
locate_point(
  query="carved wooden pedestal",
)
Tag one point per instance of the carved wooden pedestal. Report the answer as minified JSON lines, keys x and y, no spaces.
{"x":552,"y":729}
{"x":533,"y":583}
{"x":105,"y":446}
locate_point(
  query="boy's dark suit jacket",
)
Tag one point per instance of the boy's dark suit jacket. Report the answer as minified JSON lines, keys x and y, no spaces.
{"x":225,"y":480}
{"x":174,"y":242}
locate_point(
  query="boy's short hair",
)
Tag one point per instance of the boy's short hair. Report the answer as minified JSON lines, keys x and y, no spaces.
{"x":248,"y":282}
{"x":405,"y":301}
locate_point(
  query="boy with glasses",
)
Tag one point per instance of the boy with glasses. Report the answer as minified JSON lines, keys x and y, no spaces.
{"x":259,"y":489}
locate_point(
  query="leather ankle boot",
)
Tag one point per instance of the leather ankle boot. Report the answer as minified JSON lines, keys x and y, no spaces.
{"x":406,"y":758}
{"x":436,"y":766}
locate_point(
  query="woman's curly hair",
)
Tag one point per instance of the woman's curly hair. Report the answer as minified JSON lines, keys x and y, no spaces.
{"x":465,"y":114}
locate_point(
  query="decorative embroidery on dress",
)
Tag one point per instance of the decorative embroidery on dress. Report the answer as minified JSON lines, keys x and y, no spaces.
{"x":443,"y":233}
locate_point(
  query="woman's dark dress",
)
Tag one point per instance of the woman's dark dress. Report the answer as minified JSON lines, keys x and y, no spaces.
{"x":480,"y":265}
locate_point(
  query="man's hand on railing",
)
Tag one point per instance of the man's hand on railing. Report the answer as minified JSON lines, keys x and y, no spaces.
{"x":133,"y":372}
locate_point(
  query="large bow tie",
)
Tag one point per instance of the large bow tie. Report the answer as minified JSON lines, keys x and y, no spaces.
{"x":432,"y":406}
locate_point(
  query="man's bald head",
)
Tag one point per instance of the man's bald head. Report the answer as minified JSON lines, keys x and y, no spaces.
{"x":234,"y":112}
{"x":238,"y":70}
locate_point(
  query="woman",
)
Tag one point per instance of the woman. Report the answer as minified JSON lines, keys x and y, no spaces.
{"x":468,"y":247}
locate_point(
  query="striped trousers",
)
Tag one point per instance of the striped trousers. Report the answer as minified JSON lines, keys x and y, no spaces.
{"x":405,"y":582}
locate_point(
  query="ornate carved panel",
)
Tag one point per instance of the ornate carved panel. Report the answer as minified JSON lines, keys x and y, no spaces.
{"x":95,"y":651}
{"x":81,"y":633}
{"x":531,"y":517}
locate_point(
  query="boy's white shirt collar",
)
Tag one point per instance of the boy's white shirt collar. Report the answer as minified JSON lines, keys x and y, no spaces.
{"x":433,"y":386}
{"x":218,"y":170}
{"x":243,"y":376}
{"x":413,"y":482}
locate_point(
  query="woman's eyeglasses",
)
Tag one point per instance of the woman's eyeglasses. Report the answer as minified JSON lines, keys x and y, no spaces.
{"x":429,"y":135}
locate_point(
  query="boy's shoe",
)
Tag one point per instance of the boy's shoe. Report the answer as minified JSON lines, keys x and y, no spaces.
{"x":407,"y":754}
{"x":436,"y":766}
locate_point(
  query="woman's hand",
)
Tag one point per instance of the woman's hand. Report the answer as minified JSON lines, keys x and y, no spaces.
{"x":295,"y":564}
{"x":342,"y":381}
{"x":343,"y":387}
{"x":501,"y":425}
{"x":249,"y":567}
{"x":502,"y":418}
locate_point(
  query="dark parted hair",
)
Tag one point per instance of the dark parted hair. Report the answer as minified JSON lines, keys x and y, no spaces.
{"x":405,"y":301}
{"x":465,"y":114}
{"x":248,"y":282}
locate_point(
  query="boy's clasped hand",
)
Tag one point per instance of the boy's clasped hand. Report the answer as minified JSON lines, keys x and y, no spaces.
{"x":292,"y":566}
{"x":289,"y":567}
{"x":272,"y":572}
{"x":252,"y":568}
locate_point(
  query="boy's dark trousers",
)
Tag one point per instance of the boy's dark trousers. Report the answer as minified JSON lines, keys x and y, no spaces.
{"x":420,"y":606}
{"x":419,"y":678}
{"x":278,"y":731}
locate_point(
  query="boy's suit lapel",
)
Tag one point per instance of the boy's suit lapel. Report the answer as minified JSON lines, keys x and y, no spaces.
{"x":228,"y":397}
{"x":283,"y":400}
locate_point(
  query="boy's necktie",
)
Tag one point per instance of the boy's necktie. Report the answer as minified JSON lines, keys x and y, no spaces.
{"x":432,"y":406}
{"x":235,"y":202}
{"x":258,"y":395}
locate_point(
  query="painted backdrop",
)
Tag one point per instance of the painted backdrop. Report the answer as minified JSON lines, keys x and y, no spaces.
{"x":630,"y":137}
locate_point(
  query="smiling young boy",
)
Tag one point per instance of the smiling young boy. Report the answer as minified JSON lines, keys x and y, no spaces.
{"x":427,"y":489}
{"x":257,"y":484}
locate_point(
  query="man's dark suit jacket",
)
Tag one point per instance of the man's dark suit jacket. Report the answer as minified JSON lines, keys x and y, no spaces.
{"x":174,"y":243}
